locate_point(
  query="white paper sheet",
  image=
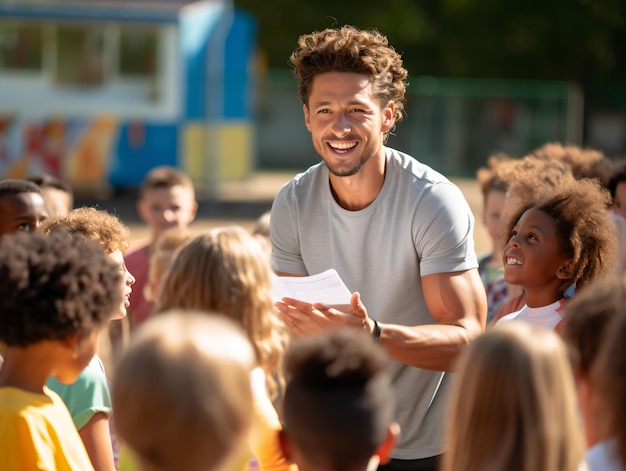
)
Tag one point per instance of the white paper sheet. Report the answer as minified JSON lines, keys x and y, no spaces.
{"x":326,"y":287}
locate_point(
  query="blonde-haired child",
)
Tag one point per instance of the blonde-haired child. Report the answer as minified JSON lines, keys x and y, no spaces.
{"x":183,"y":395}
{"x":227,"y":271}
{"x":513,"y":405}
{"x":566,"y":239}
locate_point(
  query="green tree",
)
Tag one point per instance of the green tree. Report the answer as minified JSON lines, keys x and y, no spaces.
{"x":578,"y":40}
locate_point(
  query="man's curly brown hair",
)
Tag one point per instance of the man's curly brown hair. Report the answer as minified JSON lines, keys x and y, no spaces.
{"x":94,"y":224}
{"x":348,"y":49}
{"x":53,"y":287}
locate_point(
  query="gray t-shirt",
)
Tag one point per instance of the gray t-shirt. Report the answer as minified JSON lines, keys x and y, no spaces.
{"x":419,"y":224}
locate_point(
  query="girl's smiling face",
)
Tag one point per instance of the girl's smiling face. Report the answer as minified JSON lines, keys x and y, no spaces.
{"x":534,"y":258}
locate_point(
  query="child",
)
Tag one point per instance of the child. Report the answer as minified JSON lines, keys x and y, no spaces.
{"x":57,"y":194}
{"x":182,"y":393}
{"x":22,"y":207}
{"x":609,"y":379}
{"x":227,"y":271}
{"x":584,"y":331}
{"x":57,"y":293}
{"x":566,"y":239}
{"x":166,"y":200}
{"x":338,"y":407}
{"x":493,"y":188}
{"x":88,"y":398}
{"x":513,"y":405}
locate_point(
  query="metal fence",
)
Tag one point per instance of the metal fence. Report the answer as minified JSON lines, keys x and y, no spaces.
{"x":451,"y":124}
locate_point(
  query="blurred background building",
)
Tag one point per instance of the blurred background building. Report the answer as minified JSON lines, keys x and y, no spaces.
{"x":99,"y":91}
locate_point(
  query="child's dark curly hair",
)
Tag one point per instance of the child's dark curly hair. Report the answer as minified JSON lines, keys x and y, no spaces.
{"x":529,"y":181}
{"x":579,"y":209}
{"x":584,"y":163}
{"x":94,"y":224}
{"x":53,"y":287}
{"x":348,"y":49}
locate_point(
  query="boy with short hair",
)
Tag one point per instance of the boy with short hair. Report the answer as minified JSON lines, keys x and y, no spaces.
{"x":166,"y":199}
{"x":338,"y":406}
{"x":22,"y":207}
{"x":57,"y":194}
{"x":57,"y":293}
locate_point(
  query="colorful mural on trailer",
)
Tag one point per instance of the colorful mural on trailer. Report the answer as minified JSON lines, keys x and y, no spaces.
{"x":78,"y":151}
{"x":189,"y":106}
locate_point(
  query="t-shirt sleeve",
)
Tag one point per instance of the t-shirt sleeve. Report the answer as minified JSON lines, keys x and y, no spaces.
{"x":88,"y":395}
{"x":443,"y":231}
{"x":286,"y":251}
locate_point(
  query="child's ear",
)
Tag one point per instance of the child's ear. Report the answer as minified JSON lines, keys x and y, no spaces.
{"x":285,"y":445}
{"x":386,"y":447}
{"x":194,"y":210}
{"x":566,"y":271}
{"x":72,"y":342}
{"x":142,"y":209}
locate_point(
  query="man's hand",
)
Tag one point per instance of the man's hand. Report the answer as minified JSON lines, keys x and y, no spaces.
{"x":306,"y":318}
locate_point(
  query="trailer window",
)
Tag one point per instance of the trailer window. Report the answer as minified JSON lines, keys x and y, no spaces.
{"x":80,"y":56}
{"x":21,"y":47}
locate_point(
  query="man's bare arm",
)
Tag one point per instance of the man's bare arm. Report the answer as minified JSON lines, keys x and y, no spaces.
{"x":457,"y":302}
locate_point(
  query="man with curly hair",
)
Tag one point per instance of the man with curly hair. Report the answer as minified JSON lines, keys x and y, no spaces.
{"x":397,"y":231}
{"x":57,"y":293}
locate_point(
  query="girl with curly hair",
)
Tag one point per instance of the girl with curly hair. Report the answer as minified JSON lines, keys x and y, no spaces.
{"x":566,"y":239}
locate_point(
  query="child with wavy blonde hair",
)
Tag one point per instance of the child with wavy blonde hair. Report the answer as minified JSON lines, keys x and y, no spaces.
{"x":513,"y":406}
{"x":227,"y":271}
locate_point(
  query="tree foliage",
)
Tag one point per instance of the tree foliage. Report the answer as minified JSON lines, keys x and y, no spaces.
{"x":578,"y":40}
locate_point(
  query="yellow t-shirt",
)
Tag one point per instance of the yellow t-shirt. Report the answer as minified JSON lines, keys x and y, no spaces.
{"x":37,"y":432}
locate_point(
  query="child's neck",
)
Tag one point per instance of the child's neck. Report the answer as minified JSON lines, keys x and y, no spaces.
{"x":25,"y":368}
{"x":541,"y":297}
